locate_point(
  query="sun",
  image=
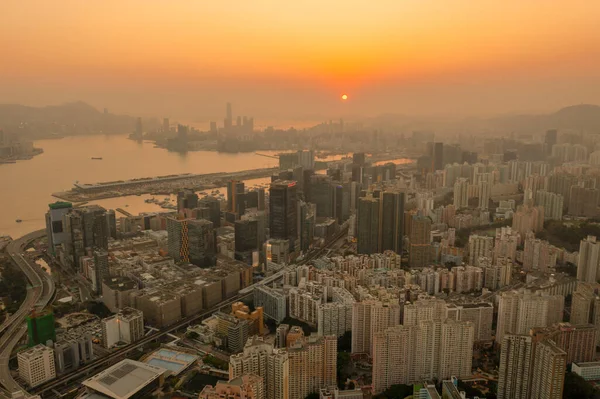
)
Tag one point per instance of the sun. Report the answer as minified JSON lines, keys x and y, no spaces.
{"x":344,"y":96}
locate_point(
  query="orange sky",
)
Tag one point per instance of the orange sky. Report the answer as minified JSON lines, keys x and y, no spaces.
{"x":285,"y":58}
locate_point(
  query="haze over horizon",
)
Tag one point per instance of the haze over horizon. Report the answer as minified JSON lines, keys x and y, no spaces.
{"x":294,"y":60}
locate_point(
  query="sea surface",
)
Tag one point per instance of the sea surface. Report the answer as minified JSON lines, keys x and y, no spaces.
{"x":26,"y":187}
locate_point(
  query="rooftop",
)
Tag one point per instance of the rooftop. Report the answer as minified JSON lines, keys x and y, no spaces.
{"x":34,"y":352}
{"x":120,"y":283}
{"x":124,"y":379}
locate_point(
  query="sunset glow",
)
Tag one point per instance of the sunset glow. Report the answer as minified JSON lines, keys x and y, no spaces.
{"x":111,"y":52}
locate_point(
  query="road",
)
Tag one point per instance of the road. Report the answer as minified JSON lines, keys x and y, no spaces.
{"x":38,"y":296}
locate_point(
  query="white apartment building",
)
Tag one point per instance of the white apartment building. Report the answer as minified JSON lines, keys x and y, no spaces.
{"x":36,"y":365}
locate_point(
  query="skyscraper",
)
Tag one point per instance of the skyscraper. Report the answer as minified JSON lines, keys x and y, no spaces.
{"x":518,"y":312}
{"x":321,"y":194}
{"x":262,"y":359}
{"x":55,"y":227}
{"x":100,"y":267}
{"x":283,"y":220}
{"x":584,"y":201}
{"x":228,"y":117}
{"x":86,"y":227}
{"x":201,"y":242}
{"x":392,"y":221}
{"x":234,"y":190}
{"x":40,"y":327}
{"x":191,"y":240}
{"x":313,"y":364}
{"x":369,"y":317}
{"x":178,"y":243}
{"x":588,"y":269}
{"x":214,"y":206}
{"x":484,"y":194}
{"x":420,"y":241}
{"x":437,"y":156}
{"x":548,"y":374}
{"x":515,"y":367}
{"x":186,"y":199}
{"x":461,"y":193}
{"x":551,"y":137}
{"x":368,"y":225}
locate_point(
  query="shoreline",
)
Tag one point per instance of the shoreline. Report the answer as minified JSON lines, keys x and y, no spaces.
{"x":196,"y":182}
{"x":27,"y":157}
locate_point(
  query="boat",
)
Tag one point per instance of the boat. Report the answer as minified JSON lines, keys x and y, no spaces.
{"x":18,"y":220}
{"x":97,"y":158}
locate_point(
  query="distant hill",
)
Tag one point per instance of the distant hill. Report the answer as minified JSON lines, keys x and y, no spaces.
{"x":76,"y":118}
{"x":583,"y":117}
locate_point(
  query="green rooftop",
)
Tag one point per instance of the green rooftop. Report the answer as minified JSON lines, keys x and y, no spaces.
{"x":60,"y":205}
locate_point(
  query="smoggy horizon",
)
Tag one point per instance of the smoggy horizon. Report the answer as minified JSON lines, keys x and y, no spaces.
{"x":294,"y":60}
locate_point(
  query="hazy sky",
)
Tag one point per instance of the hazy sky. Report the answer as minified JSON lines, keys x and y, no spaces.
{"x":274,"y":58}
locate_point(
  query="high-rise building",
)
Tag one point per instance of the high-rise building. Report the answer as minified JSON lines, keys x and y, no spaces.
{"x":262,"y":359}
{"x":430,"y":350}
{"x":166,"y":127}
{"x":335,"y":318}
{"x":313,"y":365}
{"x":461,"y":193}
{"x":392,"y":221}
{"x":553,"y":204}
{"x":249,"y":238}
{"x":283,"y":211}
{"x":214,"y":209}
{"x":548,"y":374}
{"x":507,"y":241}
{"x":273,"y":301}
{"x":368,"y":225}
{"x":87,"y":227}
{"x":191,"y":240}
{"x":551,"y":138}
{"x":368,"y":318}
{"x":585,"y":306}
{"x":186,"y":199}
{"x":588,"y":269}
{"x":40,"y":327}
{"x":127,"y":326}
{"x":538,"y":254}
{"x":322,"y":195}
{"x":480,"y":246}
{"x":584,"y":201}
{"x":36,"y":365}
{"x":561,"y":183}
{"x":484,"y":194}
{"x":70,"y":354}
{"x":437,"y":156}
{"x":235,"y":189}
{"x":578,"y":341}
{"x":420,"y":241}
{"x":358,"y":158}
{"x":100,"y":269}
{"x":518,"y":312}
{"x":395,"y":346}
{"x":514,"y":375}
{"x":498,"y":274}
{"x":55,"y":228}
{"x":528,"y":218}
